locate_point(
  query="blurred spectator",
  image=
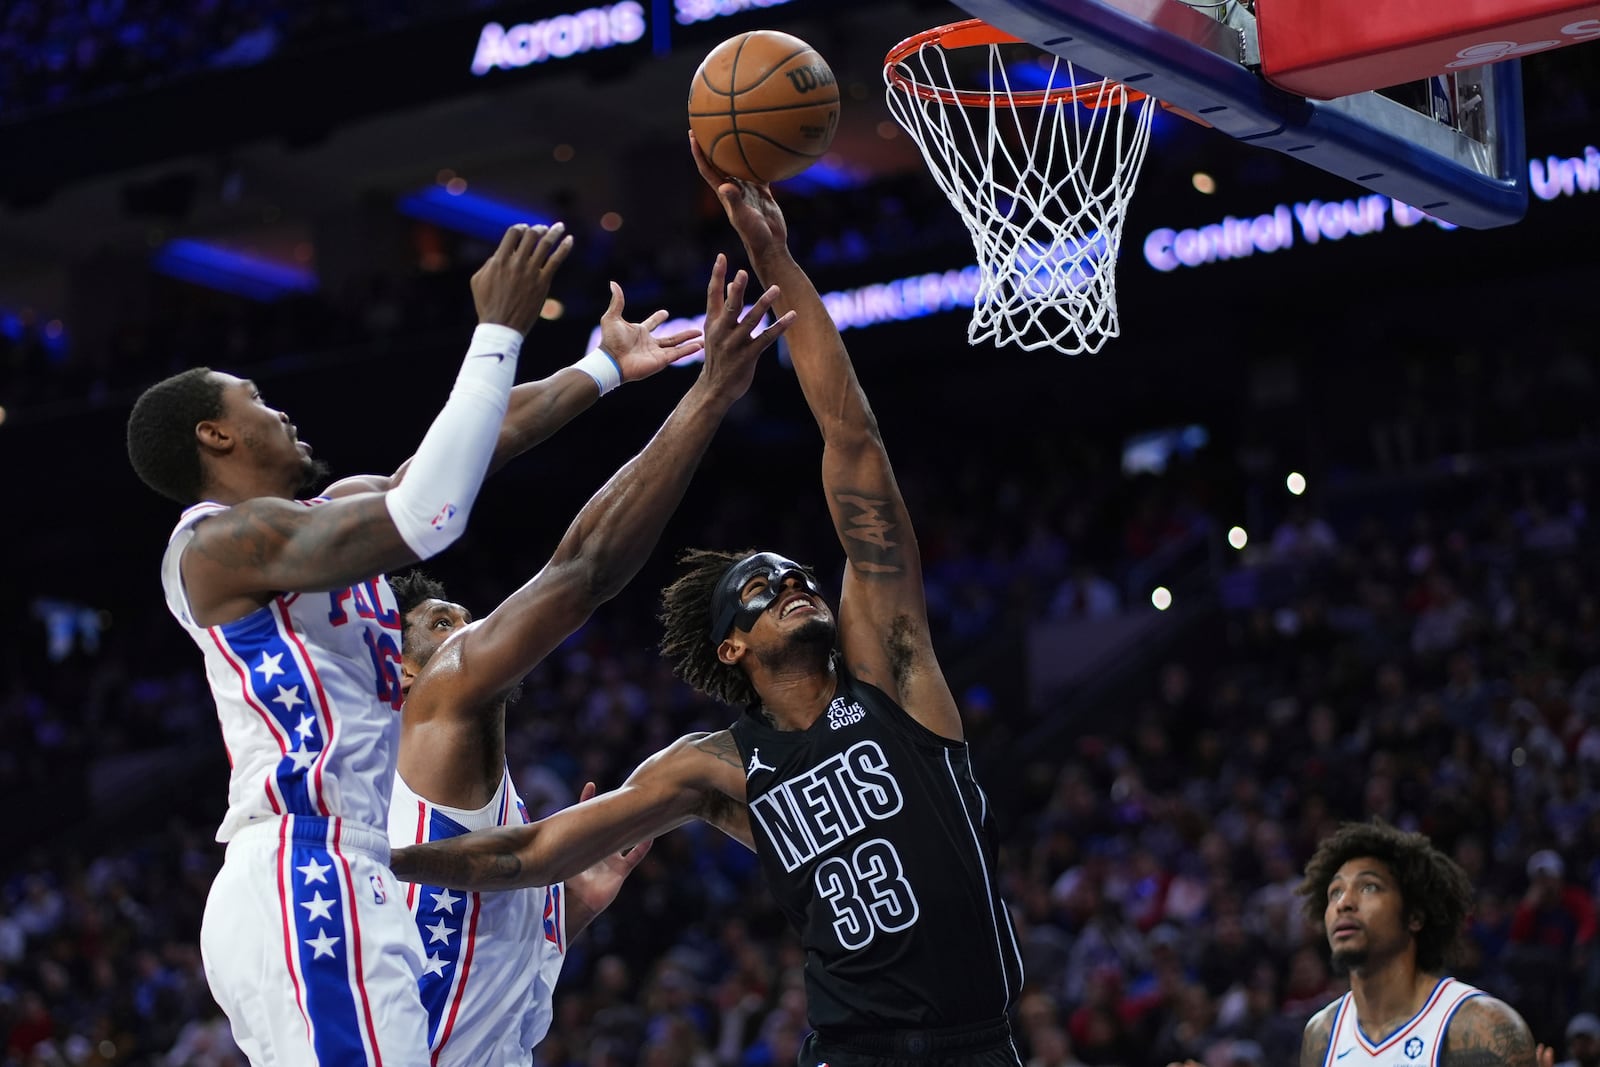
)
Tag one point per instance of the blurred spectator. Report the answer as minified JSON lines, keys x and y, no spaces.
{"x":1302,"y":537}
{"x":1583,"y":1041}
{"x":1085,"y":595}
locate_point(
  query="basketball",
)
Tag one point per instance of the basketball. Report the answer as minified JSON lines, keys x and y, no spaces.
{"x":763,"y":106}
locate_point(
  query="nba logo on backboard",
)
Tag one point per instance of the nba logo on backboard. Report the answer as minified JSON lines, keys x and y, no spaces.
{"x":442,"y":519}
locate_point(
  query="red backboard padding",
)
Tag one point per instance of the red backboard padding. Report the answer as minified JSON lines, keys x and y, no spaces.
{"x":1324,"y":50}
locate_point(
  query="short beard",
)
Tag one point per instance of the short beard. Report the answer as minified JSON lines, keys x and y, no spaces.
{"x":1348,"y":961}
{"x":810,"y":645}
{"x":314,"y":474}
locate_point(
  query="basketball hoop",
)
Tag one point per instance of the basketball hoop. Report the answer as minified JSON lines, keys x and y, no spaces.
{"x":1041,"y":177}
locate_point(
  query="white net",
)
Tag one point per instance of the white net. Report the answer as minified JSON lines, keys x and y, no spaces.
{"x":1042,"y":179}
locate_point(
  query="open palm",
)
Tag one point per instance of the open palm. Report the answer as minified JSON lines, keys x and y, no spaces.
{"x":638,"y":352}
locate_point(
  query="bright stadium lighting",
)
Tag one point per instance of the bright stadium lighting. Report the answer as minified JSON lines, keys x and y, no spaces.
{"x":1296,"y":482}
{"x":1161,"y":597}
{"x":1238,"y":538}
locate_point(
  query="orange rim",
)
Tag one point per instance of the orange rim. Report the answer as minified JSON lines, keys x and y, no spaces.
{"x":975,"y":33}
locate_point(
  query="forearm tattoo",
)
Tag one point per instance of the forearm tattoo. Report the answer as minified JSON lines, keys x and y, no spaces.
{"x":456,"y":866}
{"x":722,"y":745}
{"x":867,"y":526}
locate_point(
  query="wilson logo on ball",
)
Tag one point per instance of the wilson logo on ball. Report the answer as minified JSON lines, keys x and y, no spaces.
{"x":805,"y":79}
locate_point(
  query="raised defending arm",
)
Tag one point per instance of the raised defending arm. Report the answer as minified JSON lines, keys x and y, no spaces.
{"x":536,"y":410}
{"x":265,"y":546}
{"x":615,"y":532}
{"x":883,"y":612}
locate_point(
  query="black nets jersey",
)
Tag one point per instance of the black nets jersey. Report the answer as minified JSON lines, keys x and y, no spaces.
{"x":879,"y":845}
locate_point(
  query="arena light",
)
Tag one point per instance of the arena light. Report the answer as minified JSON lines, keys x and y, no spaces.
{"x":1295,"y":483}
{"x":229,"y":271}
{"x":591,"y":30}
{"x":467,"y":212}
{"x":1161,"y":597}
{"x":1238,"y":538}
{"x":823,"y":176}
{"x":1313,"y":222}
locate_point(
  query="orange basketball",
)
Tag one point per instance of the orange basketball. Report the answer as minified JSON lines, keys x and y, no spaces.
{"x":763,"y":106}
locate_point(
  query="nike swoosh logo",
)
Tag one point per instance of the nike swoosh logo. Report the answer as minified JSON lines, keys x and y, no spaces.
{"x":499,"y":357}
{"x":1343,"y":1054}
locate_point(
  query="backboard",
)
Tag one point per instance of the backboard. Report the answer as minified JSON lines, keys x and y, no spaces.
{"x":1463,"y":161}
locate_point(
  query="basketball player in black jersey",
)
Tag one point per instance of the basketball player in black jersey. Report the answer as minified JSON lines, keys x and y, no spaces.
{"x":847,"y":772}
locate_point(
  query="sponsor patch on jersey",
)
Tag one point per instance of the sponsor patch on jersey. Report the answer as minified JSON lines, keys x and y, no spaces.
{"x":842,"y":714}
{"x":1413,"y":1048}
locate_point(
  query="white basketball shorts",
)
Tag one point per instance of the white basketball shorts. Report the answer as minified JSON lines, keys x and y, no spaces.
{"x":310,"y":950}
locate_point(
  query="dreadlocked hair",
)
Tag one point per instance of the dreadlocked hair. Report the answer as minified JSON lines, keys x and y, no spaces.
{"x":411,"y":589}
{"x":686,"y":622}
{"x":1432,"y":886}
{"x":161,"y":444}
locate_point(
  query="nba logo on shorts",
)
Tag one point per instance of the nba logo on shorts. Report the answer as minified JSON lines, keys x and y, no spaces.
{"x":378,"y":895}
{"x":1414,"y":1048}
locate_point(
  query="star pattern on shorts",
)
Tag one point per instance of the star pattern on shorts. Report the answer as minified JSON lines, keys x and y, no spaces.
{"x":318,"y":907}
{"x":268,"y":667}
{"x":322,"y":944}
{"x":315,"y":872}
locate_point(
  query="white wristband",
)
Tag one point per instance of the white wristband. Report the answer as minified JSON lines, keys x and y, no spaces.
{"x":490,"y":338}
{"x":605,"y":371}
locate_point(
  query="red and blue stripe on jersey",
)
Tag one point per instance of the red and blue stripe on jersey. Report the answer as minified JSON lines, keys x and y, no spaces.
{"x":279,"y":682}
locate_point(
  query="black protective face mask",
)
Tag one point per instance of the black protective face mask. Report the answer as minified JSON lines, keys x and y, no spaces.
{"x":727,"y":611}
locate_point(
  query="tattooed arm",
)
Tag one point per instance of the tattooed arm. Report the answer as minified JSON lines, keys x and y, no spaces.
{"x":689,"y":779}
{"x":1486,"y":1032}
{"x":883,"y":613}
{"x":240,"y":558}
{"x":1319,"y":1031}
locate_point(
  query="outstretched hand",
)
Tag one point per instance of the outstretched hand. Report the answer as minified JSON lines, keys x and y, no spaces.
{"x":731,"y":350}
{"x":590,"y":893}
{"x":1544,"y":1056}
{"x":510,"y":289}
{"x":638,"y":352}
{"x":755,"y":215}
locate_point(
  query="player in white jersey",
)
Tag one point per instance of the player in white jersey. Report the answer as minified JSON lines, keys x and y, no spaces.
{"x":307,"y":946}
{"x":492,"y":958}
{"x":1393,"y":907}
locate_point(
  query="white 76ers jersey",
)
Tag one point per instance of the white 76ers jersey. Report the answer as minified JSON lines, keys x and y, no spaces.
{"x":1415,"y":1043}
{"x":490,"y":959}
{"x":307,"y":691}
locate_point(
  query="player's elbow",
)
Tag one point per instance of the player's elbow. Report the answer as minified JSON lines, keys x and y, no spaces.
{"x":851,"y":426}
{"x":595,"y":573}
